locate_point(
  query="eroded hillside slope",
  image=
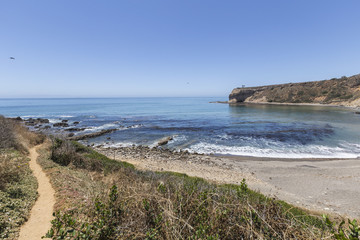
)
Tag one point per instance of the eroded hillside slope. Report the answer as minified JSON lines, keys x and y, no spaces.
{"x":337,"y":91}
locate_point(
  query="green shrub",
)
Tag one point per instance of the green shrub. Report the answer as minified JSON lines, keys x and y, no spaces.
{"x":66,"y":152}
{"x":352,"y":232}
{"x":345,"y":97}
{"x":102,"y":223}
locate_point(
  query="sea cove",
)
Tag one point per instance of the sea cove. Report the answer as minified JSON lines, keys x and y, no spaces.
{"x":198,"y":126}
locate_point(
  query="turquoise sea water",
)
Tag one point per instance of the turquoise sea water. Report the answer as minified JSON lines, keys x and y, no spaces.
{"x":200,"y":126}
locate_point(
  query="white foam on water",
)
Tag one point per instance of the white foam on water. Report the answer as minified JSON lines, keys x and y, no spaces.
{"x":53,"y":120}
{"x":178,"y":138}
{"x":307,"y":151}
{"x":118,"y":144}
{"x":350,"y":145}
{"x":224,"y":136}
{"x":111,"y":125}
{"x":135,"y":126}
{"x":102,"y":127}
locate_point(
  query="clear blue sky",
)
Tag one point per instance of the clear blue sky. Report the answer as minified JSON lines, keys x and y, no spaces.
{"x":85,"y":48}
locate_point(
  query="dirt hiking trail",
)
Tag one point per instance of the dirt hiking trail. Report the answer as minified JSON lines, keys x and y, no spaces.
{"x":41,"y":213}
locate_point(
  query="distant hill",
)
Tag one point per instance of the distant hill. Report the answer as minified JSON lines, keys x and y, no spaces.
{"x":337,"y":91}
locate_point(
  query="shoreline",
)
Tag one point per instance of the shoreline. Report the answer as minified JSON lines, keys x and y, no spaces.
{"x":294,"y":104}
{"x":330,"y":186}
{"x":279,"y":159}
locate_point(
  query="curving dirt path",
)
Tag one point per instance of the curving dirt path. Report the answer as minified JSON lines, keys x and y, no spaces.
{"x":41,"y":213}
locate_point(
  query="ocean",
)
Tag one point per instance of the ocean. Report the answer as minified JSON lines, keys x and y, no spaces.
{"x":196,"y":125}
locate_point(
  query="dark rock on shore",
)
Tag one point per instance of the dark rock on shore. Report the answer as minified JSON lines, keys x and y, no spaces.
{"x":60,"y":124}
{"x":158,"y":154}
{"x":17,"y":119}
{"x":240,"y":95}
{"x":76,"y":123}
{"x":43,"y":120}
{"x":33,"y":122}
{"x":64,"y":121}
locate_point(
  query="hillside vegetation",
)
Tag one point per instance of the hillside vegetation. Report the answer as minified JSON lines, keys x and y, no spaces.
{"x":337,"y":91}
{"x":17,"y":184}
{"x":100,"y":198}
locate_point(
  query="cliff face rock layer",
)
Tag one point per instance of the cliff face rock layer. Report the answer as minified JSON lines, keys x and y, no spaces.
{"x":337,"y":91}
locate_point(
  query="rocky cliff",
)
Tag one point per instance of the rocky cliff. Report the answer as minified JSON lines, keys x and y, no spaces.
{"x":337,"y":91}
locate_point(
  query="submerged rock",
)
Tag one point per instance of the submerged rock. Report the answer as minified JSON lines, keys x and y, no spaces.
{"x":75,"y":129}
{"x":93,"y":135}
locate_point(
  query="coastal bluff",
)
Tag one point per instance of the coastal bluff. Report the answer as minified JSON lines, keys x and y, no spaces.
{"x":344,"y":91}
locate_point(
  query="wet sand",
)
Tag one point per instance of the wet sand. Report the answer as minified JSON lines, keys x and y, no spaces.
{"x":329,"y":186}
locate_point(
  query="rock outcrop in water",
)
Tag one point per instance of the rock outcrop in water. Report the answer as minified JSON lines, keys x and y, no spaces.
{"x":337,"y":91}
{"x":92,"y":135}
{"x":164,"y":141}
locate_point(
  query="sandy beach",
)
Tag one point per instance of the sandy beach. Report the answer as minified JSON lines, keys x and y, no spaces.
{"x":330,"y":186}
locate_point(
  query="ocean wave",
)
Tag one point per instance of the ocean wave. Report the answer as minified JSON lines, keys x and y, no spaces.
{"x":102,"y":127}
{"x":309,"y":151}
{"x":111,"y":125}
{"x":53,"y":120}
{"x":178,"y":138}
{"x":134,"y":126}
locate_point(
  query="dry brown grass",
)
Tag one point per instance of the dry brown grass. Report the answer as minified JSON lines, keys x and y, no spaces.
{"x":7,"y":134}
{"x":16,"y":136}
{"x":10,"y":169}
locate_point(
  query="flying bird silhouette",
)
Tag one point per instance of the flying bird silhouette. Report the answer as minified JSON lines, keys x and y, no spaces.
{"x":12,"y":58}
